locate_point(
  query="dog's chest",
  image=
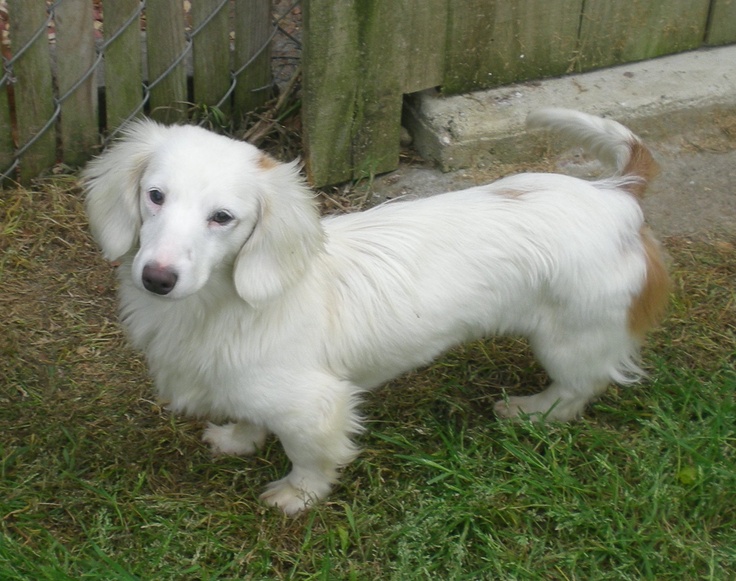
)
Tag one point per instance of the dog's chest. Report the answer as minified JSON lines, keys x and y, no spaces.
{"x":206,"y":360}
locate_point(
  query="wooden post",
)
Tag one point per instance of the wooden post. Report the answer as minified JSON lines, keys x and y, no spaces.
{"x":123,"y":61}
{"x":252,"y":32}
{"x":377,"y":112}
{"x":330,"y":87}
{"x":7,"y":148}
{"x":211,"y":53}
{"x":352,"y":91}
{"x":75,"y":46}
{"x":165,"y":44}
{"x":33,"y":89}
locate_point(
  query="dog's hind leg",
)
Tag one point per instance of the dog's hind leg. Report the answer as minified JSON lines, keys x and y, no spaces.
{"x":316,"y":438}
{"x":581,"y":366}
{"x":238,"y":439}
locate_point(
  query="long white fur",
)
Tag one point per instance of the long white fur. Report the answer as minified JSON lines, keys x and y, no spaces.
{"x":279,"y":320}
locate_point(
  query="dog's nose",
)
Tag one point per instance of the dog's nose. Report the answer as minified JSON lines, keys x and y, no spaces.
{"x":159,"y":280}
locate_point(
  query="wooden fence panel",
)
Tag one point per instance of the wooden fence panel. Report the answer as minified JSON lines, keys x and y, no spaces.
{"x":353,"y":48}
{"x":722,"y":29}
{"x":33,"y":86}
{"x":165,"y":45}
{"x":360,"y":57}
{"x":211,"y":47}
{"x":500,"y":42}
{"x":630,"y":30}
{"x":75,"y":36}
{"x":46,"y":102}
{"x":252,"y":31}
{"x":123,"y":61}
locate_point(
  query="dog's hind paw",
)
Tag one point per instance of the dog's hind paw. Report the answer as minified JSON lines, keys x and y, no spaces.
{"x":238,"y":439}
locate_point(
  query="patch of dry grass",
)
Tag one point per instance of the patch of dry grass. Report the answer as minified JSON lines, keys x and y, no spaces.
{"x":699,"y":332}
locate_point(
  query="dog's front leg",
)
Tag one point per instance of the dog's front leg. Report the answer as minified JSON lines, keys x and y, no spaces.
{"x":316,"y":438}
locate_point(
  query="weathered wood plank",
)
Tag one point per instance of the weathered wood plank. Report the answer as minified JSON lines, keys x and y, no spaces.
{"x":630,"y":30}
{"x":7,"y":148}
{"x":75,"y":46}
{"x":165,"y":44}
{"x":331,"y":74}
{"x":352,"y":93}
{"x":252,"y":32}
{"x":421,"y":43}
{"x":495,"y":43}
{"x":33,"y":87}
{"x":377,"y":115}
{"x":123,"y":61}
{"x":722,"y":23}
{"x":211,"y":48}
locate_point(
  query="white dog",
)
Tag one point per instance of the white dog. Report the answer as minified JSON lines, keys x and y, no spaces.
{"x":254,"y":311}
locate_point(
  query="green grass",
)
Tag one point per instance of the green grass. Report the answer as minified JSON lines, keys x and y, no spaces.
{"x":98,"y":482}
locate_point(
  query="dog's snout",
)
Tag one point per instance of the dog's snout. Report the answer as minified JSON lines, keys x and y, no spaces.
{"x":158,"y":280}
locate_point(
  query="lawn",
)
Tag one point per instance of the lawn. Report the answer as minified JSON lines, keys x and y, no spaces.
{"x":97,"y":481}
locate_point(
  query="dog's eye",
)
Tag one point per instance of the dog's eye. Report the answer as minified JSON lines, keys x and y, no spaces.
{"x":156,"y":196}
{"x":221,"y":217}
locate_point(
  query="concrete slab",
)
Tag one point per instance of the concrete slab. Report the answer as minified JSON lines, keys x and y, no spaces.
{"x":651,"y":97}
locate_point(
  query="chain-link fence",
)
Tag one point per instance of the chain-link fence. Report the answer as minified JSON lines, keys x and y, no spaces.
{"x":76,"y":69}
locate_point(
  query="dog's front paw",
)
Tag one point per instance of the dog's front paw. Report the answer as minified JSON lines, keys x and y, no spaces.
{"x":515,"y":408}
{"x":539,"y":407}
{"x":288,"y":498}
{"x":238,"y":439}
{"x":293,"y":499}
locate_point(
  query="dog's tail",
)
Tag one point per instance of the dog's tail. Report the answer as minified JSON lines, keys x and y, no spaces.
{"x":609,"y":141}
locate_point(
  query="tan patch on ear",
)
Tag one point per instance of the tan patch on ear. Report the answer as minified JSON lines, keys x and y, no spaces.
{"x":648,"y":306}
{"x":266,"y":162}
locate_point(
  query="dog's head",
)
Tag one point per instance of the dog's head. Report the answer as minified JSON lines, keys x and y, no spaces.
{"x":190,"y":203}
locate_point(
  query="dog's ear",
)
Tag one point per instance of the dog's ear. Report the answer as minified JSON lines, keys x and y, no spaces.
{"x":112,"y":181}
{"x":285,"y":238}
